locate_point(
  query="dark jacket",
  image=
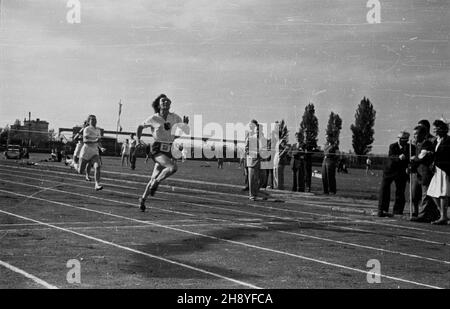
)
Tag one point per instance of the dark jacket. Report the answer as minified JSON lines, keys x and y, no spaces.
{"x":423,"y":167}
{"x":298,"y":155}
{"x":442,"y":155}
{"x":395,"y":166}
{"x":329,"y":152}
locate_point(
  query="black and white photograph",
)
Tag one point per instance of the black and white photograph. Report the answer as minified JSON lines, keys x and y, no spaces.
{"x":224,"y":150}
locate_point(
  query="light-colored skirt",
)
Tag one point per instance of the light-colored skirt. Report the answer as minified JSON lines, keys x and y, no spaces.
{"x":440,"y":184}
{"x":88,"y":152}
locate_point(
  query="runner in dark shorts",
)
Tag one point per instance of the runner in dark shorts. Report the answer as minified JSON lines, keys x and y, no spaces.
{"x":164,"y":125}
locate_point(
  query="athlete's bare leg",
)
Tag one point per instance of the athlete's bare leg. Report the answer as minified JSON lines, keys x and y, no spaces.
{"x":97,"y":176}
{"x":169,"y":167}
{"x":156,"y":171}
{"x":164,"y":167}
{"x":88,"y":171}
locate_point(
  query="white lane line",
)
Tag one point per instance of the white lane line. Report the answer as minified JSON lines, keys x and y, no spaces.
{"x":114,"y":227}
{"x":245,"y":212}
{"x":427,"y":241}
{"x":365,"y":247}
{"x":27,"y":275}
{"x":349,"y":244}
{"x":86,"y":223}
{"x":288,"y":210}
{"x":210,"y":200}
{"x":304,"y":235}
{"x":172,"y":188}
{"x":67,"y":223}
{"x":398,"y":236}
{"x":135,"y":206}
{"x":223,"y":240}
{"x":216,"y":184}
{"x":248,"y":285}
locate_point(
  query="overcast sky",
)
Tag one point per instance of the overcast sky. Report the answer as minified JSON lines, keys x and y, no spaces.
{"x":228,"y":60}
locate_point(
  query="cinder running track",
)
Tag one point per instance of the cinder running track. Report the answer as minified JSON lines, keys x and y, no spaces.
{"x":201,"y":234}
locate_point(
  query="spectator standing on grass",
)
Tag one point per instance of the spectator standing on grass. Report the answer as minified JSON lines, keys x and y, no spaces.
{"x":369,"y":166}
{"x":220,"y":163}
{"x":309,"y":150}
{"x":278,"y":164}
{"x":253,"y":159}
{"x":439,"y":188}
{"x":298,"y":164}
{"x":266,"y":164}
{"x":422,"y":173}
{"x":329,"y":168}
{"x":395,"y":171}
{"x":269,"y":166}
{"x":133,"y":149}
{"x":243,"y":164}
{"x":125,"y":152}
{"x":26,"y":154}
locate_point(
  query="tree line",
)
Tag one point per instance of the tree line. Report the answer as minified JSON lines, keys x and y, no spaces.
{"x":362,"y":129}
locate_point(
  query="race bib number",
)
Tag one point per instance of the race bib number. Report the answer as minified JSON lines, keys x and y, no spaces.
{"x":165,"y":147}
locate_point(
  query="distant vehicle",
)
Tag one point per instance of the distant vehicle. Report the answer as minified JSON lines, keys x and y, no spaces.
{"x":13,"y":152}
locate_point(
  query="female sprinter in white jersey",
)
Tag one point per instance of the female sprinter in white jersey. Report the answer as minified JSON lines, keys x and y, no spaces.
{"x":163,"y":124}
{"x":89,"y":154}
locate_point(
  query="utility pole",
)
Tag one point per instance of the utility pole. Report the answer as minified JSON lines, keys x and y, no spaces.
{"x":29,"y":129}
{"x":117,"y":127}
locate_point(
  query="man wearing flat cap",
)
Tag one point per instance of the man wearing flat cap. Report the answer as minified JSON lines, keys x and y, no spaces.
{"x":395,"y":171}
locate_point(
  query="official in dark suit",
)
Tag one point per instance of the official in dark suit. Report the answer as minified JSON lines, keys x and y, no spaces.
{"x":395,"y":171}
{"x":329,"y":168}
{"x":422,"y":173}
{"x":297,"y":153}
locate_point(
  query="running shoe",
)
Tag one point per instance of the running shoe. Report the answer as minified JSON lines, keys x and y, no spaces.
{"x":440,"y":222}
{"x":98,"y":187}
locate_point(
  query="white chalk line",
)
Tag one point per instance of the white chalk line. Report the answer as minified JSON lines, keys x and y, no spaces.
{"x":215,"y":200}
{"x":115,"y":227}
{"x":219,"y":239}
{"x":272,"y":208}
{"x":329,"y":240}
{"x":86,"y":223}
{"x":264,"y":207}
{"x":28,"y":275}
{"x":248,"y":285}
{"x":215,"y":184}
